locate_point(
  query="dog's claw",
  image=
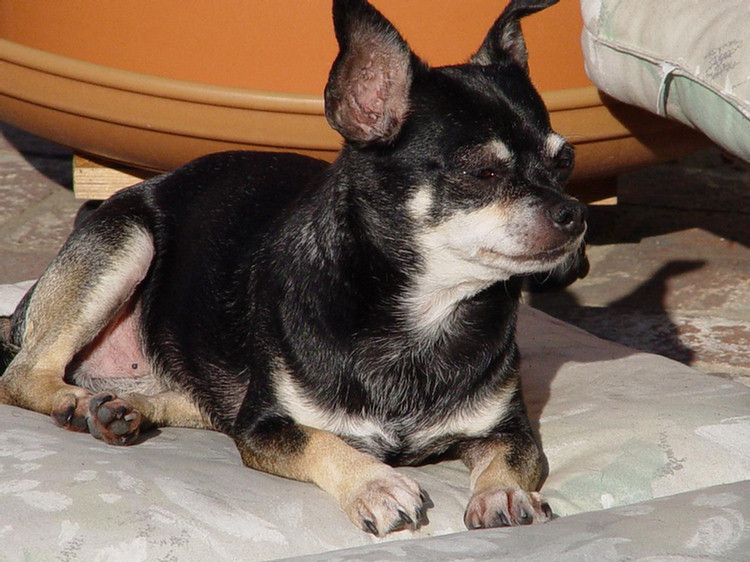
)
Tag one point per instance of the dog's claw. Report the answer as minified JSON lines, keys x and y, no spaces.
{"x":525,"y":517}
{"x":405,"y":517}
{"x":63,"y":417}
{"x":103,"y":415}
{"x":502,"y":520}
{"x":369,"y":527}
{"x":506,"y":507}
{"x":70,"y":412}
{"x":547,"y":510}
{"x":424,"y":497}
{"x":70,"y":421}
{"x":419,"y":512}
{"x":404,"y":522}
{"x":386,"y":502}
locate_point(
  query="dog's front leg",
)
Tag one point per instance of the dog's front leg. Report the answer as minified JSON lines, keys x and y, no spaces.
{"x":377,"y":498}
{"x":506,"y":471}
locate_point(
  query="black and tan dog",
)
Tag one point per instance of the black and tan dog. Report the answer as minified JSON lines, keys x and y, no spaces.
{"x":334,"y":320}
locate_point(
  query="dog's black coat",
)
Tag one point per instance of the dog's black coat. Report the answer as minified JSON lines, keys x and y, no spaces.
{"x":260,"y":255}
{"x":270,"y":265}
{"x":293,"y":271}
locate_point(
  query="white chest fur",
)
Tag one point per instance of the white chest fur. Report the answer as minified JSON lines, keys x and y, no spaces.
{"x":411,"y":433}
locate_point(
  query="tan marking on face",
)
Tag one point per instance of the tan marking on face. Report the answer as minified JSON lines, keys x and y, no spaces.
{"x":420,"y":204}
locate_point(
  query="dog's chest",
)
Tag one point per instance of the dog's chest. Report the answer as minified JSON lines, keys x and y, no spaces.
{"x":409,"y":434}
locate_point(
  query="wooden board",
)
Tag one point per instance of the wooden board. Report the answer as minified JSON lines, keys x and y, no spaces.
{"x":98,"y":179}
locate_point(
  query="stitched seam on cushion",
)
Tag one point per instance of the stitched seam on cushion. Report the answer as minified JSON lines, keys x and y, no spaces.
{"x":676,"y":70}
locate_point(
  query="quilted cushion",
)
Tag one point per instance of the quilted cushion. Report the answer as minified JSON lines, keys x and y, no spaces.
{"x":688,"y":60}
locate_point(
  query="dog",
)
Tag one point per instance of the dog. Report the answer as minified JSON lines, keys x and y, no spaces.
{"x":335,"y":320}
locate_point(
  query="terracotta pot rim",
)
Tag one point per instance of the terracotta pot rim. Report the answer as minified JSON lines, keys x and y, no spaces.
{"x":210,"y":94}
{"x":156,"y":86}
{"x":159,"y":123}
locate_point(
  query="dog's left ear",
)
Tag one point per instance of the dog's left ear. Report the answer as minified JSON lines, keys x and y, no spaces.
{"x":367,"y":96}
{"x":504,"y":42}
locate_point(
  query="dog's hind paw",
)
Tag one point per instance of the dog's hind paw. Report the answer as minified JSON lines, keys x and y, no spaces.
{"x":70,"y":410}
{"x":506,"y":507}
{"x":113,"y":420}
{"x":388,"y":503}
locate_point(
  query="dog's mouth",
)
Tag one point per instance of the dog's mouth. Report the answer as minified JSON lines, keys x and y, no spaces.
{"x":549,"y":257}
{"x":545,"y":256}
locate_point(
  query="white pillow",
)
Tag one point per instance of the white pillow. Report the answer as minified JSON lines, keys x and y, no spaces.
{"x":618,"y":426}
{"x":684,"y":59}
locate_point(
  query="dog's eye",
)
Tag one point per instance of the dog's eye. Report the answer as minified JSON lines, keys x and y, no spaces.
{"x":486,"y":174}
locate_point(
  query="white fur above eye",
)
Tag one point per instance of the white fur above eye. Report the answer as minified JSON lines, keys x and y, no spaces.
{"x":500,"y":150}
{"x":554,"y":143}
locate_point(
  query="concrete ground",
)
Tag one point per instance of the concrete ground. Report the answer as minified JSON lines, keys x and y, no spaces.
{"x":670,"y":266}
{"x":670,"y":263}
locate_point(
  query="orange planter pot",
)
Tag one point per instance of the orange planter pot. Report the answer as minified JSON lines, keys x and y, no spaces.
{"x":155,"y":83}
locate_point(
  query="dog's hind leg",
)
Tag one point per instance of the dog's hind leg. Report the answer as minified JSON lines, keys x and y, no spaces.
{"x":169,"y":409}
{"x":94,"y":275}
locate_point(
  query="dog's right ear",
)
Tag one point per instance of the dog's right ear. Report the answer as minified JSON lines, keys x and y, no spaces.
{"x":367,"y":96}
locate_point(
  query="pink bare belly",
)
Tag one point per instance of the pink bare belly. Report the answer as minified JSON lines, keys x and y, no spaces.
{"x":114,"y":360}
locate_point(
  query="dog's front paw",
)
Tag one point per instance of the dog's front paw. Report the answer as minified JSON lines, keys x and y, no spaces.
{"x":505,"y":507}
{"x":113,"y":420}
{"x":386,"y":503}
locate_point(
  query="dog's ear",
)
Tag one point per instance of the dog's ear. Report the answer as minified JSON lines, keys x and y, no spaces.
{"x":504,"y":42}
{"x":367,"y":96}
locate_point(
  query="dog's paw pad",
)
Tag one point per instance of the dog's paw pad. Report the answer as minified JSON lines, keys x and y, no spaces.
{"x":113,"y":420}
{"x":388,"y":503}
{"x":70,"y":411}
{"x":506,"y":507}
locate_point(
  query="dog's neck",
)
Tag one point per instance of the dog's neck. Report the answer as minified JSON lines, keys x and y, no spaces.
{"x":370,"y":315}
{"x":385,"y":268}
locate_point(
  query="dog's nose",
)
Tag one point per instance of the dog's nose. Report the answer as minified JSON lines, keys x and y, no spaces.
{"x":568,"y":216}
